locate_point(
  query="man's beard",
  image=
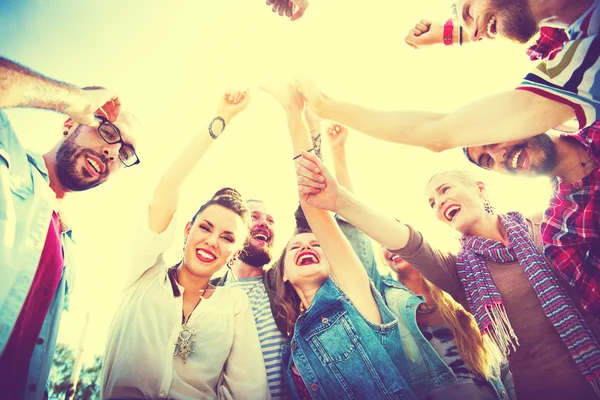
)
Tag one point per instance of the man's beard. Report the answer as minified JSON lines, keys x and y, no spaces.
{"x":256,"y":256}
{"x":518,"y":22}
{"x":67,"y":172}
{"x":549,"y":158}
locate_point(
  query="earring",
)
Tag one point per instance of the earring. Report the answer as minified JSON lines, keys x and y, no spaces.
{"x":489,"y":208}
{"x":65,"y":133}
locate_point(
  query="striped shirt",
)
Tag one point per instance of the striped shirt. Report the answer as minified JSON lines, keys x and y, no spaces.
{"x":271,"y":339}
{"x":572,"y":75}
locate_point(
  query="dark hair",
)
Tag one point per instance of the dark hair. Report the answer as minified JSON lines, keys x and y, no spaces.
{"x":229,"y":198}
{"x":285,"y":305}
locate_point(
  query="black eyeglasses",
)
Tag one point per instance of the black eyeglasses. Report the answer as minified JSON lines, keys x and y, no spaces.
{"x":111,"y":135}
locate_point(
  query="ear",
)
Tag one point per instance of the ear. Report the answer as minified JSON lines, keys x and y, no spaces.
{"x":186,"y":231}
{"x":481,"y":189}
{"x":285,"y":278}
{"x":69,"y":123}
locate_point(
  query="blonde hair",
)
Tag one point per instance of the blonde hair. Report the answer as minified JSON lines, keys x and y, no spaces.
{"x":476,"y":350}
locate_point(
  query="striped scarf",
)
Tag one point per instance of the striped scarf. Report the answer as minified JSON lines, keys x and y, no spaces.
{"x":486,"y":302}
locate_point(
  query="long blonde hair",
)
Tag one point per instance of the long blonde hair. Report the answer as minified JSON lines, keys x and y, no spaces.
{"x":476,"y":350}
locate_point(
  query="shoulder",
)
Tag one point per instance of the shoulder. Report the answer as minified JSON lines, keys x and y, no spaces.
{"x":234,"y":297}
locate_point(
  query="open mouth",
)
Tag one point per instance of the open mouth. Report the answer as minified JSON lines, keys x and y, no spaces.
{"x":307,"y":258}
{"x":94,"y":165}
{"x":518,"y":160}
{"x":491,"y":28}
{"x":395,"y":258}
{"x":451,"y":212}
{"x":261,"y":235}
{"x":205,"y":256}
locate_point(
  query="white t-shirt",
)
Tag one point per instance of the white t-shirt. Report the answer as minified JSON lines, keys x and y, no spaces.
{"x":139,"y":360}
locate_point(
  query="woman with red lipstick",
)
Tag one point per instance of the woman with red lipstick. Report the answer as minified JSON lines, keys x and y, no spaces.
{"x":343,"y":339}
{"x":500,"y":275}
{"x":174,"y":335}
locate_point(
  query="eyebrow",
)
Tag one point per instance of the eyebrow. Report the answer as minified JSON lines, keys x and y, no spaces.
{"x":437,"y":189}
{"x":212,"y":226}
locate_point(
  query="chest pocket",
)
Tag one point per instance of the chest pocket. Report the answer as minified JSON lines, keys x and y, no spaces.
{"x":334,"y":338}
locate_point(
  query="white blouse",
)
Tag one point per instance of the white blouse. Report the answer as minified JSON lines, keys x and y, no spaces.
{"x":139,"y":360}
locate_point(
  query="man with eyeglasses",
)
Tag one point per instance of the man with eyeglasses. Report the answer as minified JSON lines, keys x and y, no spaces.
{"x":34,"y":258}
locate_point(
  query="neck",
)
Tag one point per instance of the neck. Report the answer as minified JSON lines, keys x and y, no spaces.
{"x":242,"y":270}
{"x":571,"y":154}
{"x":490,"y":227}
{"x":50,"y":161}
{"x":306,"y":294}
{"x":560,"y":13}
{"x":412,"y":279}
{"x":191,"y":283}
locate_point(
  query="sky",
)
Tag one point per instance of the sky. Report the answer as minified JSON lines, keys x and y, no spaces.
{"x":170,"y":62}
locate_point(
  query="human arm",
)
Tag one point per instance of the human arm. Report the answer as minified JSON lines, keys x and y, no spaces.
{"x":506,"y":116}
{"x":426,"y":33}
{"x":244,"y":374}
{"x":166,"y":196}
{"x":346,"y":268}
{"x":437,"y":266}
{"x":22,"y":87}
{"x":336,"y":137}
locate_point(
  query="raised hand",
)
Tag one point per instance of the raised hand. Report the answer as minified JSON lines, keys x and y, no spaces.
{"x":316,"y":186}
{"x":233,"y":102}
{"x":94,"y":101}
{"x":287,"y":95}
{"x":336,"y":135}
{"x":425,"y":33}
{"x":312,"y":95}
{"x":290,"y":8}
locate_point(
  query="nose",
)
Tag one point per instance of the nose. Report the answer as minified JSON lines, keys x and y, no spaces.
{"x":111,"y":151}
{"x":497,"y":153}
{"x":211,"y":240}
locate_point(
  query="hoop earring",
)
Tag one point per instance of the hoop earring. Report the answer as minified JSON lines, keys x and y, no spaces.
{"x":489,"y":208}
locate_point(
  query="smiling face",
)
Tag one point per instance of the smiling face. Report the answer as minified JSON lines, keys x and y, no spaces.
{"x":488,"y":19}
{"x":394,"y":261}
{"x":216,"y":236}
{"x":304,"y":261}
{"x":258,"y":249}
{"x":456,"y":202}
{"x":84,"y":160}
{"x":530,"y":157}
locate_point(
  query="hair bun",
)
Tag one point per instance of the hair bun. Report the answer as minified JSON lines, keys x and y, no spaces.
{"x":229,"y":192}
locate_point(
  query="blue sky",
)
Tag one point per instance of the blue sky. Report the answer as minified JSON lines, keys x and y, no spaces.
{"x":171,"y":60}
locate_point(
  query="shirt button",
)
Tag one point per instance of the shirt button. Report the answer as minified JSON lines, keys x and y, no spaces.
{"x":503,"y":394}
{"x":314,"y":387}
{"x":294,"y":347}
{"x":39,"y":341}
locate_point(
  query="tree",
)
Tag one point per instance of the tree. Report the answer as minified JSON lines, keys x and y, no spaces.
{"x":88,"y":387}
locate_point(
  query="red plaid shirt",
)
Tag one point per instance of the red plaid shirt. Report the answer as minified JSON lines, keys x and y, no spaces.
{"x":550,"y":42}
{"x":571,"y":227}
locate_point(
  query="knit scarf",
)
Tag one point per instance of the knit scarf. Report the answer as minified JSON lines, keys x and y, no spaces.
{"x":486,"y":302}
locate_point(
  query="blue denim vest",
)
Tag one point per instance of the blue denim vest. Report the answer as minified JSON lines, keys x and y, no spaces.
{"x":340,"y":355}
{"x":427,"y":370}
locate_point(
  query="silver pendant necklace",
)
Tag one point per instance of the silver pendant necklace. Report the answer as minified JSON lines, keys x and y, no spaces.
{"x":185,"y":339}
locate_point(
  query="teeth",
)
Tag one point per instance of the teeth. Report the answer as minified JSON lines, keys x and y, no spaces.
{"x":260,"y":236}
{"x":448,"y":214}
{"x":204,"y":254}
{"x":307,"y":257}
{"x":94,"y":164}
{"x":489,"y":27}
{"x":395,"y":257}
{"x":515,"y":159}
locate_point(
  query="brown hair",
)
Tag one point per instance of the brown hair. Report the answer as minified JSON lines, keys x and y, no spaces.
{"x":285,"y":302}
{"x":229,"y":198}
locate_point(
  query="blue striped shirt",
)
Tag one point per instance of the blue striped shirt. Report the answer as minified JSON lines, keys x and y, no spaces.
{"x":271,"y":339}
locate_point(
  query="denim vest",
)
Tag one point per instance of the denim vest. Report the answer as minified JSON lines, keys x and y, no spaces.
{"x":340,"y":355}
{"x":426,"y":368}
{"x":26,"y":206}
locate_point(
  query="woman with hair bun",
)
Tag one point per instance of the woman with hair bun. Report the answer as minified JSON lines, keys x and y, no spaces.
{"x":174,"y":335}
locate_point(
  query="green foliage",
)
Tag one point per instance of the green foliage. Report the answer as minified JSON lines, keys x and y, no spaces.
{"x":88,"y":387}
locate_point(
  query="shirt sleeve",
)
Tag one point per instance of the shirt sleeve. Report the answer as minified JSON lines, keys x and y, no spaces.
{"x":244,"y":375}
{"x":147,"y":248}
{"x":572,"y":78}
{"x":437,"y":266}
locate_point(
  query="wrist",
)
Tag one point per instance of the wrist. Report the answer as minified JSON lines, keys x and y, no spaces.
{"x":71,"y":100}
{"x":342,"y":202}
{"x":338,"y":149}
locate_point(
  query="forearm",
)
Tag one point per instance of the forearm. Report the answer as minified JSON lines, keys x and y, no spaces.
{"x":340,"y":166}
{"x":385,"y":230}
{"x":166,"y":196}
{"x":503,"y":117}
{"x":22,"y":87}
